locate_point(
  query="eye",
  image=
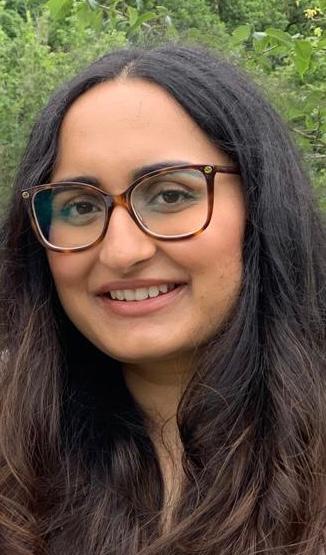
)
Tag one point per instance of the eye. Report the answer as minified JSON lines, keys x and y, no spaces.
{"x":79,"y":210}
{"x":173,"y":193}
{"x":171,"y":196}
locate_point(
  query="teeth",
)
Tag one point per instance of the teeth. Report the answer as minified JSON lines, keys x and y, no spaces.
{"x":165,"y":288}
{"x":140,"y":294}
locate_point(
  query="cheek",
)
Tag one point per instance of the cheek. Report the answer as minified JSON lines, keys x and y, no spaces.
{"x":219,"y":278}
{"x":69,"y":270}
{"x":222,"y":266}
{"x":216,"y":252}
{"x":214,"y":263}
{"x":217,"y":285}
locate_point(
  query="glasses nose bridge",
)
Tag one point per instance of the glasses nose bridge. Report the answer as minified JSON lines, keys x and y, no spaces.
{"x":122,"y":200}
{"x":117,"y":200}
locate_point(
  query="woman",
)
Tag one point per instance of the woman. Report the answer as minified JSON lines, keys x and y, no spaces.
{"x":163,"y":321}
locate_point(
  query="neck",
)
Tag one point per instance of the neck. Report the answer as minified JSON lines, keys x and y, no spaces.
{"x":157,"y":388}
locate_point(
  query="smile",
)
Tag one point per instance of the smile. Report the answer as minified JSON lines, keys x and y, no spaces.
{"x":142,"y":293}
{"x":147,"y":305}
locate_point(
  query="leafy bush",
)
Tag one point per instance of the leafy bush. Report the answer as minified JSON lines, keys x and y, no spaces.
{"x":292,"y":69}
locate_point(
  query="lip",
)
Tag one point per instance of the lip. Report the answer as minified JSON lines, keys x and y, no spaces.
{"x":141,"y":308}
{"x":133,"y":284}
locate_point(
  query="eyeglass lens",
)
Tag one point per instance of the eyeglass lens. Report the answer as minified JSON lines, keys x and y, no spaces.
{"x":169,"y":204}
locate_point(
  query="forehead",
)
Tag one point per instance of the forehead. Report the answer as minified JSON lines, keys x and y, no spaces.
{"x":134,"y":103}
{"x":123,"y":124}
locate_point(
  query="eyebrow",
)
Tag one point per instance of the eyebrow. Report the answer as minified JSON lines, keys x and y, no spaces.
{"x":136,"y":174}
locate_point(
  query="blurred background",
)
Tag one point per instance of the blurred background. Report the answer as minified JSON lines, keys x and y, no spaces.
{"x":281,"y":43}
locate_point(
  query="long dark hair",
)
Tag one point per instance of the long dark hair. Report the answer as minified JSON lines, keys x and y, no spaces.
{"x":78,"y":471}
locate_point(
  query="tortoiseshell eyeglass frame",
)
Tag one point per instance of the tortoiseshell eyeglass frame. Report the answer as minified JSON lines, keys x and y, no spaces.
{"x":124,"y":200}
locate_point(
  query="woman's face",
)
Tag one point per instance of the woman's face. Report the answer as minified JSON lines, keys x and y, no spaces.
{"x":111,"y":131}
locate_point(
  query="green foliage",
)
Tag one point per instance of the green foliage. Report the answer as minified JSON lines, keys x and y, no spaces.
{"x":261,"y":13}
{"x":292,"y":71}
{"x":287,"y":15}
{"x":35,"y":56}
{"x":281,"y":43}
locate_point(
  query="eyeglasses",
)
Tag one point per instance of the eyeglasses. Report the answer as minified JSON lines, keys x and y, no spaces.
{"x":169,"y":204}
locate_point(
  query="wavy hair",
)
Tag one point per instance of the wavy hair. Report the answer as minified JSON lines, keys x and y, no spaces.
{"x":78,"y":470}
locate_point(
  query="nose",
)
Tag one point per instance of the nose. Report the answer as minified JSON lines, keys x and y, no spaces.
{"x":125,"y":244}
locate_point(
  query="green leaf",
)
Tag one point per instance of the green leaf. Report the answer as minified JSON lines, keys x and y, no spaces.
{"x":321,"y":43}
{"x":280,"y":36}
{"x":148,"y":16}
{"x":132,"y":15}
{"x":313,"y":100}
{"x":303,"y":48}
{"x":162,"y":10}
{"x":88,"y":18}
{"x":280,"y":50}
{"x":294,"y":113}
{"x":303,"y":52}
{"x":240,"y":34}
{"x":259,"y":35}
{"x":92,"y":4}
{"x":261,"y":43}
{"x":310,"y":122}
{"x":58,"y":8}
